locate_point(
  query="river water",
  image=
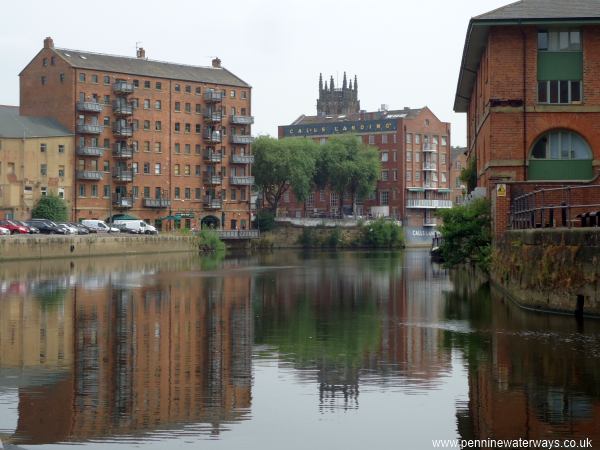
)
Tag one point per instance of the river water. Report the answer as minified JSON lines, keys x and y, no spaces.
{"x":282,"y":351}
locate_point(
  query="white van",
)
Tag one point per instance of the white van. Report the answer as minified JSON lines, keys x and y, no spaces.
{"x":137,"y":226}
{"x":99,"y":225}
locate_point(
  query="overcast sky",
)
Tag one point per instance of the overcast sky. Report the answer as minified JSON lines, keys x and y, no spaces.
{"x":404,"y":53}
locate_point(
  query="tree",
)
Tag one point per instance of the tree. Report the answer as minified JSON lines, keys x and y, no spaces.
{"x":50,"y":207}
{"x":346,"y":165}
{"x":281,"y":165}
{"x":468,"y":174}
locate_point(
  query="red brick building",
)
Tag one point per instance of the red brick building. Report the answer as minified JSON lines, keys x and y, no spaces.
{"x":153,"y":139}
{"x":414,"y":148}
{"x":529,"y":83}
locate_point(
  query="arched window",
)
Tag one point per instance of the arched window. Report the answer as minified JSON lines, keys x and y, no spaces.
{"x":560,"y":155}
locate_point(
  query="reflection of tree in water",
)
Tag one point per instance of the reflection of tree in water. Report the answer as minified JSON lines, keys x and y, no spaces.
{"x":530,"y":375}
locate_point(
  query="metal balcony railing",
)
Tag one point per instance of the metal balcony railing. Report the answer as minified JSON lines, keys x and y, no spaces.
{"x":213,"y":203}
{"x":122,"y":130}
{"x":122,"y":175}
{"x":213,"y":96}
{"x":429,"y":166}
{"x":94,"y":107}
{"x":121,"y":151}
{"x":87,"y":128}
{"x":93,"y":175}
{"x":241,"y":120}
{"x":122,"y":108}
{"x":214,"y":137}
{"x":238,"y":234}
{"x":212,"y":116}
{"x":242,"y":159}
{"x":241,"y":139}
{"x":212,"y":179}
{"x":214,"y":157}
{"x":123,"y":87}
{"x":90,"y":151}
{"x":428,"y":203}
{"x":241,"y":181}
{"x":122,"y":201}
{"x":157,"y":203}
{"x":430,"y":148}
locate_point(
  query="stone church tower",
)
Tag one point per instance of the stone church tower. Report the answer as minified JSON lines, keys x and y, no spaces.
{"x":334,"y":101}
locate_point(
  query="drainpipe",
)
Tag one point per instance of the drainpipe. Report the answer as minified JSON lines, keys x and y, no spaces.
{"x":524,"y":39}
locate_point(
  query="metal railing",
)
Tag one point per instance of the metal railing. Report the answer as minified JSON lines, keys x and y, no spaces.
{"x":241,"y":120}
{"x":122,"y":175}
{"x":428,"y":203}
{"x":122,"y":130}
{"x":123,"y":87}
{"x":122,"y":151}
{"x":89,"y":107}
{"x":429,"y":166}
{"x":94,"y":175}
{"x":122,"y":108}
{"x":213,"y":203}
{"x":212,"y":156}
{"x":213,"y":96}
{"x":123,"y":201}
{"x":88,"y":128}
{"x":242,"y":159}
{"x":157,"y":202}
{"x":90,"y":151}
{"x":563,"y":206}
{"x":239,"y":234}
{"x":213,"y":116}
{"x":427,"y":147}
{"x":241,"y":180}
{"x":241,"y":139}
{"x":213,"y":137}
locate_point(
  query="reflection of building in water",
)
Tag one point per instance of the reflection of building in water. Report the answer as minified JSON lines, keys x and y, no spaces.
{"x":354,"y":322}
{"x":534,"y":378}
{"x":174,"y":353}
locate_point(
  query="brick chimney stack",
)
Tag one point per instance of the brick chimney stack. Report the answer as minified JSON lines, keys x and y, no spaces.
{"x":48,"y":42}
{"x":216,"y":63}
{"x":141,"y":53}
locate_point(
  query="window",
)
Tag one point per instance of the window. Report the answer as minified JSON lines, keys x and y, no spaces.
{"x":146,"y":168}
{"x":106,"y":167}
{"x":188,"y":128}
{"x":186,"y":170}
{"x":409,"y":138}
{"x":198,"y":90}
{"x":157,"y":169}
{"x":384,"y":139}
{"x":43,"y":148}
{"x":43,"y":80}
{"x":408,"y":175}
{"x":177,"y":127}
{"x":82,"y":190}
{"x":107,"y":99}
{"x":135,"y":146}
{"x":408,"y":156}
{"x":561,"y":145}
{"x":417,"y":139}
{"x":395,"y":175}
{"x":198,"y":193}
{"x":563,"y":91}
{"x":146,"y":84}
{"x":187,"y":193}
{"x":177,"y":106}
{"x":61,"y":171}
{"x":371,"y":139}
{"x":82,"y":77}
{"x":61,"y":77}
{"x":442,"y":158}
{"x":177,"y":193}
{"x":333,"y":199}
{"x":158,"y":147}
{"x":43,"y":170}
{"x":134,"y":168}
{"x":45,"y":62}
{"x":136,"y":83}
{"x":61,"y":148}
{"x":52,"y":60}
{"x":177,"y":87}
{"x":158,"y":85}
{"x":417,"y":156}
{"x":94,"y":190}
{"x":384,"y":175}
{"x":384,"y":156}
{"x":417,"y":176}
{"x":188,"y":89}
{"x":158,"y":105}
{"x":106,"y":190}
{"x":95,"y":78}
{"x":198,"y":108}
{"x":106,"y":121}
{"x":146,"y":192}
{"x":146,"y":146}
{"x":197,"y":171}
{"x":146,"y":124}
{"x":106,"y":79}
{"x":444,"y":140}
{"x":562,"y":40}
{"x":384,"y":198}
{"x":146,"y":103}
{"x":187,"y":149}
{"x":176,"y":169}
{"x":158,"y":125}
{"x":177,"y":147}
{"x":443,"y":177}
{"x":198,"y":128}
{"x":188,"y":107}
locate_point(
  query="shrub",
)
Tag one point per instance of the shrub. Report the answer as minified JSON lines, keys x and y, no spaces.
{"x":265,"y":220}
{"x":208,"y":241}
{"x":382,"y":233}
{"x":308,"y":238}
{"x":335,"y":238}
{"x":50,"y":207}
{"x":467,"y":234}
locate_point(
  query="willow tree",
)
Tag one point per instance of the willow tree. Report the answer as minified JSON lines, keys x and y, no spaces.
{"x":283,"y":165}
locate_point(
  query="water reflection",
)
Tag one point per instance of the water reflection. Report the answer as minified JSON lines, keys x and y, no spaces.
{"x":137,"y":349}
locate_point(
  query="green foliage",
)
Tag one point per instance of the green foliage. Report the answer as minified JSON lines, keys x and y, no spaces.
{"x":280,"y":165}
{"x":467,"y":234}
{"x":309,"y":238}
{"x":468,"y":175}
{"x":334,"y":239}
{"x":382,"y":233}
{"x":50,"y":207}
{"x":265,"y":219}
{"x":208,"y":241}
{"x":345,"y":164}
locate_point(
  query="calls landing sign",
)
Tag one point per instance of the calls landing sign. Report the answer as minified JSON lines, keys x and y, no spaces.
{"x":323,"y":129}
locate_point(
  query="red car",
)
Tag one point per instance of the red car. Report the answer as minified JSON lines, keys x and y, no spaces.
{"x":13,"y":227}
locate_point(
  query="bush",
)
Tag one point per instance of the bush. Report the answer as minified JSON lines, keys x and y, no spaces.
{"x":466,"y":233}
{"x":50,"y":207}
{"x":335,"y":238}
{"x":208,"y":241}
{"x":308,"y":238}
{"x":382,"y":233}
{"x":265,"y":220}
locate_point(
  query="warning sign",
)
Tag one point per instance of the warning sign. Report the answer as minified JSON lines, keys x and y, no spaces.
{"x":501,"y":190}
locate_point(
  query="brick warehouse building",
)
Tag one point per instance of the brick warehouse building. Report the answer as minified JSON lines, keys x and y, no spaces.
{"x":153,"y":139}
{"x":414,"y":148}
{"x":530,"y":85}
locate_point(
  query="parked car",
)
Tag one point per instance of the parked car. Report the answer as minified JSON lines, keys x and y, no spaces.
{"x":137,"y":226}
{"x":100,"y":226}
{"x":4,"y":231}
{"x":79,"y":227}
{"x":90,"y":230}
{"x":31,"y":228}
{"x":14,"y":227}
{"x":123,"y":228}
{"x":46,"y":226}
{"x":68,"y":228}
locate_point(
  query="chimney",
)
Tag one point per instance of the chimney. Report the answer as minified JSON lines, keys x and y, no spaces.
{"x":141,"y":53}
{"x":216,"y":63}
{"x":48,"y":42}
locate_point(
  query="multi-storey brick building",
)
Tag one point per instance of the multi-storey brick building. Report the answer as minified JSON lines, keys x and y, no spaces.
{"x":414,"y":148}
{"x":153,"y":139}
{"x":530,"y":85}
{"x":36,"y":158}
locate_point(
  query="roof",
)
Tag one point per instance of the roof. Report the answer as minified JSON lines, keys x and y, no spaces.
{"x":524,"y":12}
{"x":149,"y":68}
{"x":406,"y":113}
{"x":12,"y":125}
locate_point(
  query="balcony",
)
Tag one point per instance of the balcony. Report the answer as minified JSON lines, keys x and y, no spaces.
{"x":241,"y":181}
{"x":430,"y":148}
{"x":122,"y":175}
{"x":87,"y":128}
{"x":122,"y":108}
{"x":429,"y":166}
{"x":241,"y":120}
{"x":213,"y":157}
{"x":93,"y":107}
{"x":90,"y":151}
{"x":122,"y":130}
{"x":213,"y":117}
{"x":241,"y":139}
{"x":93,"y":175}
{"x":242,"y":159}
{"x":213,"y":203}
{"x":213,"y":96}
{"x":122,"y":151}
{"x":157,"y":203}
{"x":122,"y":201}
{"x":212,"y":179}
{"x":428,"y":203}
{"x":430,"y":186}
{"x":213,"y":137}
{"x":123,"y":87}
